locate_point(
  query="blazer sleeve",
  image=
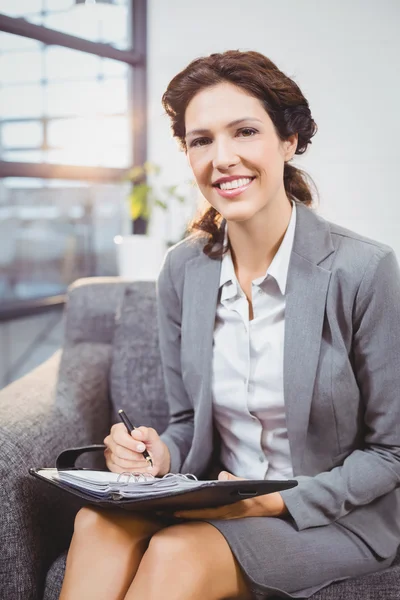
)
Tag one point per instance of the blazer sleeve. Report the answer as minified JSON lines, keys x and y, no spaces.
{"x":328,"y":496}
{"x":179,"y":434}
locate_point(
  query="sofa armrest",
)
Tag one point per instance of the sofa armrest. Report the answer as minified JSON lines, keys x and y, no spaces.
{"x":62,"y":403}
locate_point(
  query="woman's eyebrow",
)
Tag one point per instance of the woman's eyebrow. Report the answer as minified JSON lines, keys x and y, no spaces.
{"x":231,"y":124}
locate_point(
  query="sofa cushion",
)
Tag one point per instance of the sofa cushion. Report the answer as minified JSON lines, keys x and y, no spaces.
{"x":136,"y":379}
{"x":54,"y":578}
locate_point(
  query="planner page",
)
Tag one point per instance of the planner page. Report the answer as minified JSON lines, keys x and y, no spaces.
{"x":123,"y":485}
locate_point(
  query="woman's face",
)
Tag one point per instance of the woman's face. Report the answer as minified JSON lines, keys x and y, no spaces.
{"x":231,"y":139}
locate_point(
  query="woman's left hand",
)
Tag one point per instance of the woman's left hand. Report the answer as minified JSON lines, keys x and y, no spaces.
{"x":269,"y":505}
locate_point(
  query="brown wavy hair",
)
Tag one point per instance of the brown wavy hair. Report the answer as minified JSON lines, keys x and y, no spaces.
{"x":282,"y":100}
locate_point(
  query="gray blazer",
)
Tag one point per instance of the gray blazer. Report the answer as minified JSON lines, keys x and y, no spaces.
{"x":341,"y":374}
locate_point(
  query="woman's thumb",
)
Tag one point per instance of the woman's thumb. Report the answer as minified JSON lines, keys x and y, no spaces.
{"x":225,"y":476}
{"x":149,"y":434}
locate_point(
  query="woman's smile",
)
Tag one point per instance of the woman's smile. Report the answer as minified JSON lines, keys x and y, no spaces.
{"x":232,"y":189}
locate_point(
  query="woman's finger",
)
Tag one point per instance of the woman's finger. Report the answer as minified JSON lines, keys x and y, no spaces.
{"x":124,"y":453}
{"x":119,"y":466}
{"x":121,"y":437}
{"x":122,"y":450}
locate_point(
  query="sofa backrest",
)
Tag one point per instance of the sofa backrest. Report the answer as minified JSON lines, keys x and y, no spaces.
{"x":136,"y":378}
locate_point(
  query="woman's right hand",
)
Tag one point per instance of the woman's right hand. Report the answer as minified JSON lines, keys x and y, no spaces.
{"x":124,"y":451}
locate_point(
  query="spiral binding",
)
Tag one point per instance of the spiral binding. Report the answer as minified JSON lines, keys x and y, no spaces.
{"x":143,"y":477}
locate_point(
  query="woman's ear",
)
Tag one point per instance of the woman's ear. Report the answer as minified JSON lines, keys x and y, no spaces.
{"x":291,"y":146}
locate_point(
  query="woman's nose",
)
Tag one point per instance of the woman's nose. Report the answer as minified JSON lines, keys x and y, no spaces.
{"x":224,"y":155}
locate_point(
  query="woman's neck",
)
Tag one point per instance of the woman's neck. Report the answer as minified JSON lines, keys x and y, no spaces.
{"x":254,"y":243}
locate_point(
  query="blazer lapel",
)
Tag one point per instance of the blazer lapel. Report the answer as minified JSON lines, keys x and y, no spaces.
{"x":306,"y":292}
{"x":200,"y":299}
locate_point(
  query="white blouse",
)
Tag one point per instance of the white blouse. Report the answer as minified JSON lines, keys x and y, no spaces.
{"x":247,"y":369}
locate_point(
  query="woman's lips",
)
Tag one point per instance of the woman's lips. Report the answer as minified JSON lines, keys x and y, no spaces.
{"x":235,"y":192}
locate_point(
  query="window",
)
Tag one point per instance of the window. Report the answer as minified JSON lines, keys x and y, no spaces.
{"x":60,"y":105}
{"x":71,"y":107}
{"x":53,"y":232}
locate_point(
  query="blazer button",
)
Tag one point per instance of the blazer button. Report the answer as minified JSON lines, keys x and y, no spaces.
{"x":261,"y":459}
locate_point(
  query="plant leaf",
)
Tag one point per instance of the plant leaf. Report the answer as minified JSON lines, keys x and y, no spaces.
{"x":136,"y":173}
{"x":138,"y":199}
{"x":160,"y":203}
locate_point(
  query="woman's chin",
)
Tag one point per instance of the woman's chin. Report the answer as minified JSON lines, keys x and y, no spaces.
{"x":237,"y":214}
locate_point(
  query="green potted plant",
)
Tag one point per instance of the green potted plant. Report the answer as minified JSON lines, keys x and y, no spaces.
{"x":144,"y":196}
{"x":139,"y":256}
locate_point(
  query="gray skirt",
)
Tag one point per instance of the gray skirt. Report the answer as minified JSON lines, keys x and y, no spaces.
{"x":278,"y":560}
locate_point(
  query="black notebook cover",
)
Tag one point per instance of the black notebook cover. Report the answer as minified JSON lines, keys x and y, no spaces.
{"x":215,"y":493}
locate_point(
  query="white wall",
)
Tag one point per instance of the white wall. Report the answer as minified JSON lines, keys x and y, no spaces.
{"x":345,"y":58}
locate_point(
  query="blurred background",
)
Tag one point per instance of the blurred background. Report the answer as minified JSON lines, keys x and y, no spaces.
{"x":83,"y":135}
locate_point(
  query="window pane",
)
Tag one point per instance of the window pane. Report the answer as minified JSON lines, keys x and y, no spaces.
{"x":21,"y":101}
{"x":18,"y":182}
{"x":91,"y":141}
{"x":91,"y":131}
{"x":114,"y":26}
{"x":61,"y":132}
{"x":21,"y":8}
{"x":54,"y":5}
{"x":31,"y":156}
{"x":78,"y":157}
{"x":115,"y":156}
{"x":113,"y":68}
{"x":8,"y":41}
{"x":112,"y":156}
{"x":63,"y":63}
{"x":19,"y":135}
{"x":73,"y":98}
{"x":74,"y":23}
{"x":114,"y":96}
{"x":99,"y":23}
{"x":116,"y":131}
{"x":23,"y":67}
{"x":52,"y":233}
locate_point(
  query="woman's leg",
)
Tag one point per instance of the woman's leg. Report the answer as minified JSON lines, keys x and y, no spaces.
{"x":189,"y":560}
{"x":105,"y":552}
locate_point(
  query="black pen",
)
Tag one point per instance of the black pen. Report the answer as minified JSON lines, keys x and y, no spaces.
{"x":130,"y":428}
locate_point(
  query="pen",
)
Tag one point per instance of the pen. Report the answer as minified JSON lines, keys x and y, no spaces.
{"x":130,"y":428}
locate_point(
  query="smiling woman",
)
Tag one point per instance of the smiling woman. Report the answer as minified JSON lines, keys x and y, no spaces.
{"x":280,"y":342}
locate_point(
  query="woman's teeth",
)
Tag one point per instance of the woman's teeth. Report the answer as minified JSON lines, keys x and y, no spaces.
{"x":231,"y":185}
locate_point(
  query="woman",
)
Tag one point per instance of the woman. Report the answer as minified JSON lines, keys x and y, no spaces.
{"x":280,"y":342}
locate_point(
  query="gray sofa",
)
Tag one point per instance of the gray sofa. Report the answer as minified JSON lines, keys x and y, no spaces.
{"x":109,"y":360}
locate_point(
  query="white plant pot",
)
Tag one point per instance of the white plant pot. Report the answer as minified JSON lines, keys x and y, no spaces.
{"x":139,"y":257}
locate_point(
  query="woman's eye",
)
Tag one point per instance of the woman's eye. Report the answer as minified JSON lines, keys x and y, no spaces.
{"x":198,"y":142}
{"x":248,"y":131}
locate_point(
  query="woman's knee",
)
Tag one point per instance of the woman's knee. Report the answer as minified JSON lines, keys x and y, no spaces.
{"x":176,"y":544}
{"x":200,"y":552}
{"x":169,"y":542}
{"x":87,"y":518}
